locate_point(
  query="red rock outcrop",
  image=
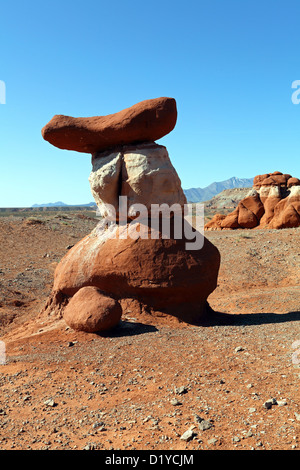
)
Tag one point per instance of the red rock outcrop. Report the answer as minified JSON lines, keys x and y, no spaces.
{"x":160,"y":273}
{"x":273,"y":202}
{"x":146,"y":121}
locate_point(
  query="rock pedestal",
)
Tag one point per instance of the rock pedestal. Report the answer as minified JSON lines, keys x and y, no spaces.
{"x":143,"y":173}
{"x":151,"y":269}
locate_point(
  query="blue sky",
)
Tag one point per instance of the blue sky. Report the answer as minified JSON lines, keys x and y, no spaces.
{"x":229,"y":65}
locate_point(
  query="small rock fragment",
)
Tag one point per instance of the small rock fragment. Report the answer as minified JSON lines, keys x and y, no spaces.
{"x":281,"y":402}
{"x":188,"y":435}
{"x":175,"y":402}
{"x":50,"y":402}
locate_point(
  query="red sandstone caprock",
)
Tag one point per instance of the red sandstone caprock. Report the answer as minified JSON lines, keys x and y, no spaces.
{"x":146,"y":121}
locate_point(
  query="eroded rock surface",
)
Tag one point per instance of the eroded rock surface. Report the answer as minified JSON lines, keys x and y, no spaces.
{"x":144,"y":174}
{"x":148,"y":120}
{"x":273,"y":202}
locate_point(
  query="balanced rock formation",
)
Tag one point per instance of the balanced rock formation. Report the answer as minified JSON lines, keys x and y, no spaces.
{"x":146,"y":121}
{"x":123,"y":259}
{"x":273,"y":202}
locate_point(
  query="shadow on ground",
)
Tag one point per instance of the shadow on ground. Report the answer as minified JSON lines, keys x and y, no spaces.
{"x":126,"y":328}
{"x":219,"y":318}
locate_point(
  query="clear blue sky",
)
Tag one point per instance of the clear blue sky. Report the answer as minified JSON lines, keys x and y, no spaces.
{"x":229,"y":64}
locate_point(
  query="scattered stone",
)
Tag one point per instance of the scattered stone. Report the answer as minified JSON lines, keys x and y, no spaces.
{"x":181,"y":390}
{"x":212,"y":441}
{"x":188,"y":435}
{"x":203,"y":424}
{"x":89,"y":447}
{"x":281,"y":402}
{"x":268,"y":404}
{"x":50,"y":402}
{"x":175,"y":402}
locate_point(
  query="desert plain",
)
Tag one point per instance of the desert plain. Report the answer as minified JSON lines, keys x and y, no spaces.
{"x":153,"y":382}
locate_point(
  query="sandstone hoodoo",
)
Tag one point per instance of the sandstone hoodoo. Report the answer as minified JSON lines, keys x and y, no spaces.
{"x":106,"y":270}
{"x":273,"y":202}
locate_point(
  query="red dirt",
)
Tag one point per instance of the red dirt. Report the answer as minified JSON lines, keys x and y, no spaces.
{"x":116,"y":391}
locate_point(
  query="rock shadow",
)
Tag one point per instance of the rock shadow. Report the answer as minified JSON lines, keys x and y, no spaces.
{"x":243,"y":319}
{"x":126,"y":328}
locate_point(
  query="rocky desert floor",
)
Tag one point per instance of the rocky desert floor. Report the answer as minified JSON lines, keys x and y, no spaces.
{"x":152,"y":383}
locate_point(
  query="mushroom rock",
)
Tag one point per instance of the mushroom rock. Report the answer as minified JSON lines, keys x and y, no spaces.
{"x":148,"y":120}
{"x":258,"y":180}
{"x":287,"y":211}
{"x":125,"y":260}
{"x":293,"y":182}
{"x":273,"y":202}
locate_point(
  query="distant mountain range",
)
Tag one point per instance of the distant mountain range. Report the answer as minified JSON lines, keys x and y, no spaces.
{"x":62,"y":204}
{"x":205,"y":194}
{"x":192,"y":194}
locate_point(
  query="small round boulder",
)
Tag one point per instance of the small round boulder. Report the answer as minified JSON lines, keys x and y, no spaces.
{"x":92,"y":311}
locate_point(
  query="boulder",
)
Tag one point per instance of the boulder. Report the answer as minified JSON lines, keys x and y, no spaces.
{"x":246,"y":218}
{"x":91,"y":311}
{"x":147,"y":121}
{"x":215,"y":222}
{"x":160,"y":273}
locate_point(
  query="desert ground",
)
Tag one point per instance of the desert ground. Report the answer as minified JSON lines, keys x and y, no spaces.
{"x":155,"y":383}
